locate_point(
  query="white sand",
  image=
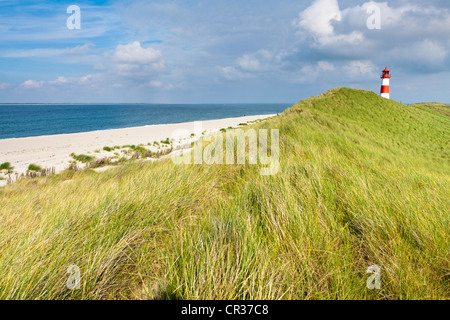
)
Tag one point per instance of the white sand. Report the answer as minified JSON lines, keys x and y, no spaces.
{"x":54,"y":150}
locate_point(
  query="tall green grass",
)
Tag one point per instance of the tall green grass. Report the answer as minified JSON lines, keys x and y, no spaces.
{"x":363,"y":180}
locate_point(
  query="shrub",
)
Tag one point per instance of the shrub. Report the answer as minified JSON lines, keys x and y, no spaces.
{"x":167,"y":141}
{"x":5,"y":166}
{"x":34,"y":167}
{"x":96,"y":163}
{"x":82,"y":158}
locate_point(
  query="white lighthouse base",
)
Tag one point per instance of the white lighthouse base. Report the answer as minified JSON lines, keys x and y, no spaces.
{"x":385,"y":95}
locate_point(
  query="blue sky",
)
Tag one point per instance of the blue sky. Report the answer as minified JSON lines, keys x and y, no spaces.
{"x":221,"y":50}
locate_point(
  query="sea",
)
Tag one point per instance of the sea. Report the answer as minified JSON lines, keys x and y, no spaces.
{"x":28,"y":120}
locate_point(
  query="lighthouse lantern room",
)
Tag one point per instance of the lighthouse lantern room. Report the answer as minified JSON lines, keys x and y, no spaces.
{"x":385,"y":76}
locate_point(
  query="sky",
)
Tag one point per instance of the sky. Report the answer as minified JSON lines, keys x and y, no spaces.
{"x":221,"y":51}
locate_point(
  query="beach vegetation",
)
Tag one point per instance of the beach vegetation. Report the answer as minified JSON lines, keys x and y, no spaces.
{"x":97,"y":163}
{"x":82,"y":158}
{"x":34,"y":167}
{"x":363,"y":181}
{"x":6,"y":166}
{"x":167,"y":141}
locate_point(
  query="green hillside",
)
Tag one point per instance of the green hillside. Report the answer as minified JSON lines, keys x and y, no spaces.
{"x":362,"y":181}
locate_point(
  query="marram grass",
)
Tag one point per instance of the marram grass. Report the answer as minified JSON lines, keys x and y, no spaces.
{"x":362,"y":181}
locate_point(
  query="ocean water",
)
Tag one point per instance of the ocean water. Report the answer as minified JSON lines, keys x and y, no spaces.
{"x":26,"y":120}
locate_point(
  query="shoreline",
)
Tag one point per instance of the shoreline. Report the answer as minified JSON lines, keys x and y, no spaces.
{"x":54,"y":151}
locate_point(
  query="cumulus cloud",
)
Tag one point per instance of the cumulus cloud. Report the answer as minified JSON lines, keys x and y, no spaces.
{"x":134,"y":60}
{"x":32,"y":84}
{"x":411,"y":35}
{"x":312,"y":72}
{"x":255,"y":44}
{"x":317,"y":21}
{"x":60,"y":80}
{"x":249,"y":65}
{"x":359,"y":67}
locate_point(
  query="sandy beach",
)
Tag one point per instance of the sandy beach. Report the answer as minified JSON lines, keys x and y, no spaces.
{"x":53,"y":151}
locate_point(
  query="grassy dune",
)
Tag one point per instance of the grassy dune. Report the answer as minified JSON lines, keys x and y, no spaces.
{"x":362,"y":181}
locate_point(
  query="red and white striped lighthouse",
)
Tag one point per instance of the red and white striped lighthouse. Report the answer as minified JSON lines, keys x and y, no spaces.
{"x":385,"y":83}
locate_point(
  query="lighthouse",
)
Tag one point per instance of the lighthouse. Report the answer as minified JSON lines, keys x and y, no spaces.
{"x":385,"y":76}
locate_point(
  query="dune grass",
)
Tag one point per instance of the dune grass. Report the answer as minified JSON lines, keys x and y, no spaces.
{"x":82,"y":158}
{"x":363,"y":180}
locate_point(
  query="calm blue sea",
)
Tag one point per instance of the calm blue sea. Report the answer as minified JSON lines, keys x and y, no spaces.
{"x":26,"y":120}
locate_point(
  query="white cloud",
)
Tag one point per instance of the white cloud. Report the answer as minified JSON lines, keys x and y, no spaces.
{"x":133,"y":53}
{"x":156,"y":84}
{"x":423,"y":52}
{"x":312,"y":72}
{"x":60,"y":80}
{"x":251,"y":65}
{"x":32,"y":84}
{"x":318,"y":18}
{"x":248,"y":63}
{"x":134,"y":60}
{"x":231,"y":73}
{"x":78,"y":50}
{"x":359,"y":67}
{"x":317,"y":21}
{"x":86,"y":80}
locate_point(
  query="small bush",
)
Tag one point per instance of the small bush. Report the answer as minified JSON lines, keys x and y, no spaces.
{"x":167,"y":141}
{"x":107,"y":149}
{"x":5,"y":166}
{"x":97,"y":163}
{"x":34,"y":167}
{"x":73,"y":166}
{"x":82,"y":158}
